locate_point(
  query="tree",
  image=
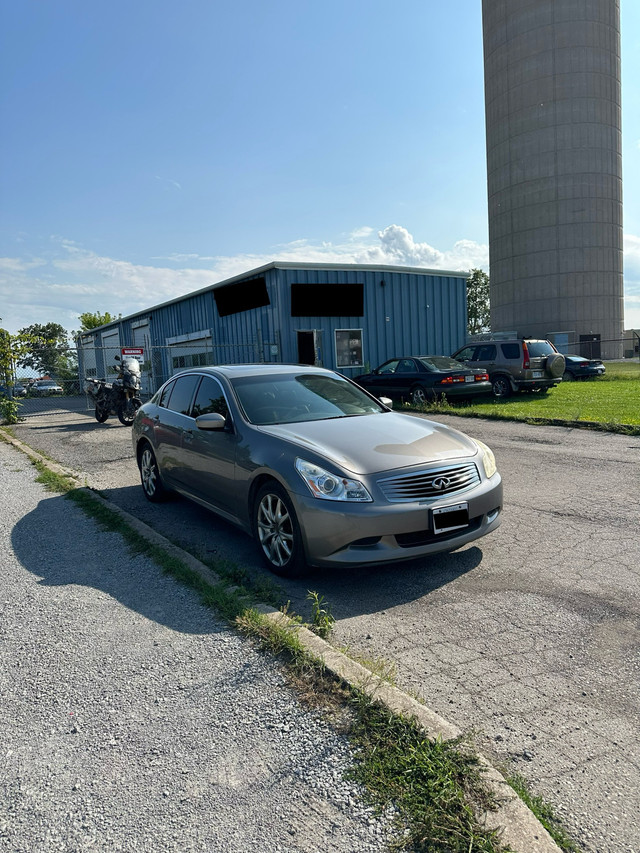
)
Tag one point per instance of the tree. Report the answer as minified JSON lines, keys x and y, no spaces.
{"x":91,"y":320}
{"x":40,"y":346}
{"x":478,"y":302}
{"x":6,"y":359}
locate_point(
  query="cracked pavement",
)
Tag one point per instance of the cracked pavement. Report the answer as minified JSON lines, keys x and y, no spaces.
{"x":529,"y":637}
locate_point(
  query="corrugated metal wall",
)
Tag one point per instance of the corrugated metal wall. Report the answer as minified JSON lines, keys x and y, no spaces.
{"x":405,"y":313}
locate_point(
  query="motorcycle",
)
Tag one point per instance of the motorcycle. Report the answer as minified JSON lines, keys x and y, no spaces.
{"x":120,"y":397}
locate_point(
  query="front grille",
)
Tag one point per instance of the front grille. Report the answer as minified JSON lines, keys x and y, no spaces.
{"x":420,"y":485}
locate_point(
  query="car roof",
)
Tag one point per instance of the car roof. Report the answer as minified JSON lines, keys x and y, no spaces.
{"x":232,"y":371}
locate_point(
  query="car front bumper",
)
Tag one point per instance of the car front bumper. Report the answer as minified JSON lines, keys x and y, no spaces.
{"x":337,"y":533}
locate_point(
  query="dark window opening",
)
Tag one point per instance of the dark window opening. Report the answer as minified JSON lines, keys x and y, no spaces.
{"x":510,"y":350}
{"x":180,"y":400}
{"x":241,"y":296}
{"x":327,"y":300}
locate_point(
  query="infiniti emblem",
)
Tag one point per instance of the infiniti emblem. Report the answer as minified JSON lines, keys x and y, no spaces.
{"x":440,"y":483}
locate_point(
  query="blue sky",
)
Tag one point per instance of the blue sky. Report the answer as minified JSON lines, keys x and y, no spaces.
{"x":152,"y":148}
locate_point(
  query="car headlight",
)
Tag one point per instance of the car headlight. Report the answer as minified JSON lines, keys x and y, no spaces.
{"x":330,"y":487}
{"x":488,"y":459}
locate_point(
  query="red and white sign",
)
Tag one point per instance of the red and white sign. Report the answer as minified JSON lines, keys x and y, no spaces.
{"x":133,"y":352}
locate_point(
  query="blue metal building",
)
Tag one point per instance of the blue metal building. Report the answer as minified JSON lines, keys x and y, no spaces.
{"x":346,"y":317}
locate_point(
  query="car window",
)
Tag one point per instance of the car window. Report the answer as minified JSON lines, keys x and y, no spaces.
{"x":209,"y":399}
{"x":538,"y":349}
{"x":486,"y":352}
{"x":406,"y":365}
{"x":165,"y":394}
{"x":465,"y":354}
{"x":510,"y":350}
{"x":180,"y":399}
{"x":389,"y":366}
{"x":440,"y":362}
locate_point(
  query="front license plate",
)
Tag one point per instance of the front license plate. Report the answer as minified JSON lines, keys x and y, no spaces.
{"x":538,"y":374}
{"x":447,"y":518}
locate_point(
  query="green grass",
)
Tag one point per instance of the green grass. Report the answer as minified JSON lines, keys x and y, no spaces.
{"x":612,"y":403}
{"x":436,"y":788}
{"x":543,"y":812}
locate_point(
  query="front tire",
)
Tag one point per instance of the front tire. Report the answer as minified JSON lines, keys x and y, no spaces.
{"x":127,"y":411}
{"x":501,"y":387}
{"x":152,"y":485}
{"x":277,"y":531}
{"x":101,"y":413}
{"x":567,"y":377}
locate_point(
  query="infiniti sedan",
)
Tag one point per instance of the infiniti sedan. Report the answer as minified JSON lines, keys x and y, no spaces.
{"x":316,"y":469}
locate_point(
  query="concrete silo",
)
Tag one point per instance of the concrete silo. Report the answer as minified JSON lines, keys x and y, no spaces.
{"x":553,"y":119}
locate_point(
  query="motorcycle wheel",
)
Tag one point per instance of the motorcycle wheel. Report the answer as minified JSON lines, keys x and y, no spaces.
{"x":101,"y":414}
{"x":127,"y":411}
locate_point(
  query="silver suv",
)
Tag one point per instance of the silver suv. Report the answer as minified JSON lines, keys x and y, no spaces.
{"x":519,"y":364}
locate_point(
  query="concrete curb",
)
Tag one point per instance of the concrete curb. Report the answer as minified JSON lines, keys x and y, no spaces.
{"x":519,"y":828}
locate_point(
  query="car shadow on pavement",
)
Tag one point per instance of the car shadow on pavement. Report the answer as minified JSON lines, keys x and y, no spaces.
{"x":350,"y":591}
{"x":63,"y":547}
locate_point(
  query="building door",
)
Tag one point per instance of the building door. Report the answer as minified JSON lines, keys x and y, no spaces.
{"x":590,"y":346}
{"x":307,"y":347}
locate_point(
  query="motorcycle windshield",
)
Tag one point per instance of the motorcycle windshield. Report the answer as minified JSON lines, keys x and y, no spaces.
{"x":133,"y":366}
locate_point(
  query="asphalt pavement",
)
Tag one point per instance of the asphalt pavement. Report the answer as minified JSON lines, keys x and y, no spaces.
{"x":530,"y":637}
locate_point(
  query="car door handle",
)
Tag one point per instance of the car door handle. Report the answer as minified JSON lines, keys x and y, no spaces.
{"x":187,"y":435}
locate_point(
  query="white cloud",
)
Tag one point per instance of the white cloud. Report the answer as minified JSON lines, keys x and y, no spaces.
{"x":69,"y":279}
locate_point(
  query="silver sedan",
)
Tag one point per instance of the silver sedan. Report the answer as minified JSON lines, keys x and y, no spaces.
{"x":319,"y":471}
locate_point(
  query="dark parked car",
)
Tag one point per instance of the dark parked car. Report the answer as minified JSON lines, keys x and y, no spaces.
{"x":425,"y":377}
{"x":577,"y":367}
{"x":316,"y":469}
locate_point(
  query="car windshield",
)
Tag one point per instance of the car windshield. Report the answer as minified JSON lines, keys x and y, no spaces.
{"x":440,"y":362}
{"x":300,"y":397}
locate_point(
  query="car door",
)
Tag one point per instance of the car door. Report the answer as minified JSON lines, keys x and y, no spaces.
{"x":382,"y":382}
{"x":209,"y":456}
{"x":406,"y":377}
{"x":170,"y":420}
{"x":484,"y":358}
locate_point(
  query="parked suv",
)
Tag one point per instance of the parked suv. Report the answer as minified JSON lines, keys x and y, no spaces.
{"x":515,"y":365}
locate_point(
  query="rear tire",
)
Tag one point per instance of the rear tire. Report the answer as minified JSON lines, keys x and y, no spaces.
{"x":501,"y":387}
{"x":152,"y":484}
{"x":277,"y":531}
{"x":419,"y":396}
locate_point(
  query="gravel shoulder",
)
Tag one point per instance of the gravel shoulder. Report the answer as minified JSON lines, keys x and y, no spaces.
{"x":133,"y":719}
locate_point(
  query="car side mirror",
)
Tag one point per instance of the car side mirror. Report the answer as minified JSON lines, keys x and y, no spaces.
{"x":210,"y":421}
{"x":386,"y":401}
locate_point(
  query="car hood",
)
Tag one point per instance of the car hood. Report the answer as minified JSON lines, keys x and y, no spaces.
{"x":369,"y":444}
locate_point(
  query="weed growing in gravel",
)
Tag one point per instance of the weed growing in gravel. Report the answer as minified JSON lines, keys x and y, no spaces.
{"x":322,"y":621}
{"x":436,"y":787}
{"x":51,"y":481}
{"x":543,"y":811}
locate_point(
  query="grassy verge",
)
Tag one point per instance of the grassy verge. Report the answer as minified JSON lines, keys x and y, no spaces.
{"x":611,"y":403}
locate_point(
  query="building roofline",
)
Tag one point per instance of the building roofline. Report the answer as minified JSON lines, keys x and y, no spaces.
{"x":279,"y":265}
